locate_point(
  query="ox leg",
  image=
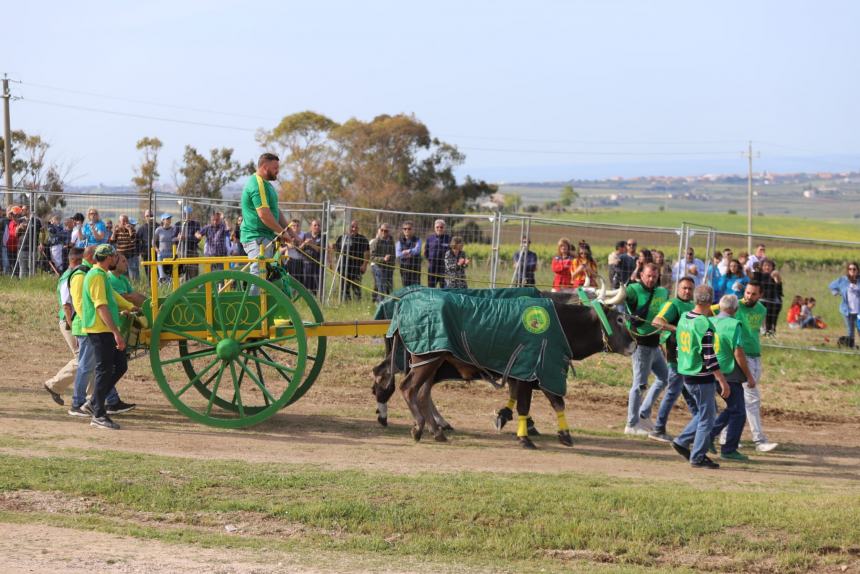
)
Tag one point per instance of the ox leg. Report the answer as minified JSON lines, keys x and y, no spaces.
{"x":506,"y":413}
{"x":409,"y":388}
{"x":557,"y":404}
{"x":425,"y":403}
{"x":437,"y":416}
{"x":383,"y":389}
{"x":524,"y":402}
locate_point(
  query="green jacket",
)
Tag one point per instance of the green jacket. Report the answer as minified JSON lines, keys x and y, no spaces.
{"x":690,"y":334}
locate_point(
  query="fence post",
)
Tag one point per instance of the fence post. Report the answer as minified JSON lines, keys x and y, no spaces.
{"x":323,"y":256}
{"x":494,"y":247}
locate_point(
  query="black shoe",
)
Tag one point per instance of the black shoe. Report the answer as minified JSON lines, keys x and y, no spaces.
{"x":104,"y":423}
{"x":705,"y":463}
{"x":682,"y":450}
{"x":119,"y":408}
{"x":56,"y":397}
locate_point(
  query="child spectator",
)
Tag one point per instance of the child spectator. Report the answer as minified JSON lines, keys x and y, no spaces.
{"x":793,"y":317}
{"x":455,"y":264}
{"x":562,"y":265}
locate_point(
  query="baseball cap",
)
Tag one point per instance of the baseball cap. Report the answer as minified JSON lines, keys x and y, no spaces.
{"x":188,"y":209}
{"x":104,"y":250}
{"x":166,"y":216}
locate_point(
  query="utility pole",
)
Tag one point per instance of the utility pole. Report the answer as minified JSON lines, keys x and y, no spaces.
{"x":7,"y":140}
{"x":749,"y":155}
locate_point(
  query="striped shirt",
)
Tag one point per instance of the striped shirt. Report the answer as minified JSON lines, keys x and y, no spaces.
{"x":709,"y":356}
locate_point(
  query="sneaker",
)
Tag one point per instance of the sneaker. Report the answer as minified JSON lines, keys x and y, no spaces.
{"x":87,"y":408}
{"x":723,"y":435}
{"x":660,"y":436}
{"x":104,"y":423}
{"x":646,"y":423}
{"x":79,"y":411}
{"x":705,"y":463}
{"x":682,"y":450}
{"x":635,"y":430}
{"x":735,"y":455}
{"x":54,"y":396}
{"x":766,"y":446}
{"x":119,"y":408}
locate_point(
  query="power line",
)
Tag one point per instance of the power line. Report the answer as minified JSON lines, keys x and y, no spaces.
{"x":590,"y":142}
{"x":146,"y":102}
{"x":139,"y":116}
{"x":602,"y":153}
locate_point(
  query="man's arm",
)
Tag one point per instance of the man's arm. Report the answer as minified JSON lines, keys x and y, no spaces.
{"x":741,"y":360}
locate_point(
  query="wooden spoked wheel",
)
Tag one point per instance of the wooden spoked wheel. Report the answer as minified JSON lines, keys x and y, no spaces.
{"x":230,"y":351}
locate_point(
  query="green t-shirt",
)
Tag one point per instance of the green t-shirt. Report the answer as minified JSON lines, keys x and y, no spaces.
{"x":751,"y":319}
{"x":64,"y":279}
{"x":252,"y":228}
{"x":727,"y":337}
{"x":120,"y":283}
{"x":672,"y":312}
{"x":690,"y":334}
{"x":637,"y":297}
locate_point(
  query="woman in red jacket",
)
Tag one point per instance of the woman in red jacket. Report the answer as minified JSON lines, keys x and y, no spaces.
{"x":562,"y":265}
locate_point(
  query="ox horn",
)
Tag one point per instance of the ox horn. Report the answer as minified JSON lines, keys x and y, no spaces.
{"x":616,"y":296}
{"x":601,"y":289}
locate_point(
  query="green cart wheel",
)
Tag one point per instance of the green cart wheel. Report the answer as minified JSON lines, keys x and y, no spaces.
{"x":310,"y":311}
{"x":251,"y":375}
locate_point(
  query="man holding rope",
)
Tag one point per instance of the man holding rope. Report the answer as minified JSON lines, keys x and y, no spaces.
{"x":262,"y":221}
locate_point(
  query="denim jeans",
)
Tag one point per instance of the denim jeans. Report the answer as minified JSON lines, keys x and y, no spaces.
{"x":252,"y":248}
{"x":733,"y":418}
{"x":383,"y":279}
{"x":646,"y":360}
{"x":698,"y":430}
{"x":7,"y":266}
{"x":851,"y":324}
{"x":85,"y":375}
{"x":133,"y":267}
{"x":673,"y":391}
{"x":110,"y":365}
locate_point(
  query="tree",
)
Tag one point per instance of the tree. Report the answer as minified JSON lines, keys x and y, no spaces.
{"x":31,"y":171}
{"x":146,"y":174}
{"x":513,"y":202}
{"x":301,"y":141}
{"x":568,"y":196}
{"x":206,"y":178}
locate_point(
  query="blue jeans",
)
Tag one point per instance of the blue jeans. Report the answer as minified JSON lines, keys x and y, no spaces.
{"x":7,"y":267}
{"x":646,"y":360}
{"x":733,"y":418}
{"x":698,"y":430}
{"x":85,"y":375}
{"x":383,"y":279}
{"x":673,"y":391}
{"x":851,"y":324}
{"x":252,"y":248}
{"x":133,"y":267}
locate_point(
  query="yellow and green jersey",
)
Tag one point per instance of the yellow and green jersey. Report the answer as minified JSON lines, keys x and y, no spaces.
{"x":256,"y":194}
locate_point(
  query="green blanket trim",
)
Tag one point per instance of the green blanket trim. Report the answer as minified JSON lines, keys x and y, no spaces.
{"x":583,"y":298}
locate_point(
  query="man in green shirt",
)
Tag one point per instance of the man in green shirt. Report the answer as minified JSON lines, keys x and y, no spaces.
{"x":262,"y":221}
{"x":751,"y":314}
{"x":57,"y":384}
{"x":667,"y":320}
{"x":728,"y":345}
{"x":645,"y":299}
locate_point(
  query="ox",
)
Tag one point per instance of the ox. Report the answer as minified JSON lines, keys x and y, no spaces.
{"x":585,"y":335}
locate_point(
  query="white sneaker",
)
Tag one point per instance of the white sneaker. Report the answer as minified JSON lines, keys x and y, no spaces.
{"x":766,"y":446}
{"x":635,"y":430}
{"x":723,"y":437}
{"x":646,"y":424}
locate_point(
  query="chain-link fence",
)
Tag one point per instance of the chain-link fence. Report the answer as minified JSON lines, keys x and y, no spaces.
{"x":357,"y":252}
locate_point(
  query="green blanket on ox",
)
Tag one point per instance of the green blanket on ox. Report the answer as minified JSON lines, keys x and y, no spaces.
{"x":385,"y":310}
{"x":520,"y":337}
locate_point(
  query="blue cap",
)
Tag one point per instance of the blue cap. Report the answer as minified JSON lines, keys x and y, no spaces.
{"x":188,"y":209}
{"x":166,"y":216}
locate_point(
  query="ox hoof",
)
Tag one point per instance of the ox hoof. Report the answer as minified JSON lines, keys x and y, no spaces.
{"x":565,"y":438}
{"x":503,"y":415}
{"x":416,"y":434}
{"x":531,"y":427}
{"x":448,"y":428}
{"x":526,"y":443}
{"x":382,"y":421}
{"x":440,"y":437}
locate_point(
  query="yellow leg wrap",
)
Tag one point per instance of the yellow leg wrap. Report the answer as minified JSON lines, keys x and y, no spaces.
{"x":523,"y":426}
{"x":511,"y":404}
{"x":562,"y":422}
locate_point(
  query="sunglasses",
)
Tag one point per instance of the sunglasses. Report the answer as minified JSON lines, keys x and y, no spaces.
{"x":407,"y":229}
{"x":632,"y":244}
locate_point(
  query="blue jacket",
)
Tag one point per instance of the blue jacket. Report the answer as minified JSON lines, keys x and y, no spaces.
{"x":840,"y":287}
{"x":725,"y":283}
{"x":435,"y":248}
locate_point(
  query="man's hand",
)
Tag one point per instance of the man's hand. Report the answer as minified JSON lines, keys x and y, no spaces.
{"x":725,"y":389}
{"x":120,"y":342}
{"x":751,"y":383}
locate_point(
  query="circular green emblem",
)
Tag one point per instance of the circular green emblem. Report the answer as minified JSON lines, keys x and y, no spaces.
{"x":535,"y":320}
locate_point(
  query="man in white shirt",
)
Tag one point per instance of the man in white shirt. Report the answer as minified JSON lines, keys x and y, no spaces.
{"x":758,"y":257}
{"x":690,"y":267}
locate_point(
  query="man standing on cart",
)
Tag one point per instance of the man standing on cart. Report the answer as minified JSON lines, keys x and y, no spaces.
{"x":262,"y":221}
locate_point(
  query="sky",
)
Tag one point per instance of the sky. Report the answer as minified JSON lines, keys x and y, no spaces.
{"x":529,"y":91}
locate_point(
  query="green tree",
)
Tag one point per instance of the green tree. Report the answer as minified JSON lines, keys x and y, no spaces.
{"x":568,"y":196}
{"x":513,"y":201}
{"x":307,"y":156}
{"x":146,"y":173}
{"x":32,"y":171}
{"x":205,"y":178}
